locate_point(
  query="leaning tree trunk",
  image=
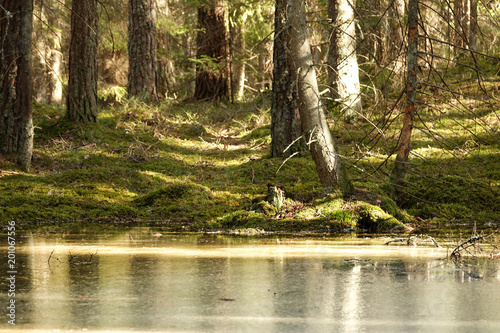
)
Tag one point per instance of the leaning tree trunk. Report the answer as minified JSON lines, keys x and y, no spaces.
{"x":82,"y":84}
{"x":328,"y":162}
{"x":212,"y":72}
{"x":401,"y":165}
{"x":16,"y":124}
{"x":285,"y":119}
{"x":342,"y":60}
{"x":142,"y":72}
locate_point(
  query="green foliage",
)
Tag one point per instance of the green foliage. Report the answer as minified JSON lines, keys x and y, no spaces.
{"x":113,"y":93}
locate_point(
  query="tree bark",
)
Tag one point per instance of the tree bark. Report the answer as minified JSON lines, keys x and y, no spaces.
{"x":212,"y":72}
{"x":473,"y":25}
{"x":48,"y":60}
{"x":285,"y":119}
{"x":396,"y":37}
{"x":82,"y":84}
{"x":342,"y":59}
{"x":165,"y":64}
{"x":401,"y":165}
{"x":458,"y":20}
{"x":238,"y":50}
{"x":16,"y":89}
{"x":142,"y":75}
{"x":328,"y":162}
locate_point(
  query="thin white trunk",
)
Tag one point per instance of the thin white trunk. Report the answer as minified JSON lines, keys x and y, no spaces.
{"x":343,"y":58}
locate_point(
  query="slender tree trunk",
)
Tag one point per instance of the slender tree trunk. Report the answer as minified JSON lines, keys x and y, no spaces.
{"x":212,"y":76}
{"x":56,"y":87}
{"x":55,"y":91}
{"x":82,"y":84}
{"x":396,"y":22}
{"x":142,"y":76}
{"x":473,"y":25}
{"x":458,"y":13}
{"x":166,"y":67}
{"x":48,"y":59}
{"x":16,"y":90}
{"x":328,"y":162}
{"x":238,"y":49}
{"x":285,"y":119}
{"x":465,"y":22}
{"x":401,"y":165}
{"x":342,"y":59}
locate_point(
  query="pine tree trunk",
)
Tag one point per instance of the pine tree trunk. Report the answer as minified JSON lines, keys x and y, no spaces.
{"x":142,"y":72}
{"x":212,"y":78}
{"x":82,"y":84}
{"x":401,"y":165}
{"x":342,"y":59}
{"x":458,"y":12}
{"x":473,"y":25}
{"x":329,"y":165}
{"x":285,"y":119}
{"x":16,"y":90}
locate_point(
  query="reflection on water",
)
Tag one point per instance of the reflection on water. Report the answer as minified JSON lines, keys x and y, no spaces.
{"x":197,"y":283}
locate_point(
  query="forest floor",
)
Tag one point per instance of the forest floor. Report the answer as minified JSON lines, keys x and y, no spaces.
{"x":206,"y":167}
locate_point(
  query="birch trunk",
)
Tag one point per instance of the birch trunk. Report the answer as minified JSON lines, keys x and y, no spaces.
{"x":342,"y":59}
{"x":328,"y":162}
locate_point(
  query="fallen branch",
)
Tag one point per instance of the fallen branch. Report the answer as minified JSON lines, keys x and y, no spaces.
{"x":464,"y":246}
{"x":48,"y":261}
{"x":414,"y":240}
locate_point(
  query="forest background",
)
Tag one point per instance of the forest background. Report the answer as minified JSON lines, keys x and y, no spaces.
{"x":205,"y":143}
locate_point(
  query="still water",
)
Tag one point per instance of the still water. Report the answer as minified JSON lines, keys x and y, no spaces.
{"x":140,"y":280}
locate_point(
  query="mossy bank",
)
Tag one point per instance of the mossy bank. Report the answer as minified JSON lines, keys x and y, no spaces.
{"x":206,"y":167}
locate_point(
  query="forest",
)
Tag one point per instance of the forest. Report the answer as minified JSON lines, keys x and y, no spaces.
{"x":251,"y":116}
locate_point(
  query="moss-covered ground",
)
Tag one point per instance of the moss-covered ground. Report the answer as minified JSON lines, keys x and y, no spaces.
{"x":206,"y":166}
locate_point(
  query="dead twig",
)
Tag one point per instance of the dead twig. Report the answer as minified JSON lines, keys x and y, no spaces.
{"x":132,"y":238}
{"x":92,"y":255}
{"x":464,"y":246}
{"x":48,"y":261}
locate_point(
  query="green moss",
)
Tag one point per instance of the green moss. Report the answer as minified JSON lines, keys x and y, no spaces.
{"x":241,"y":219}
{"x":266,"y":208}
{"x":205,"y":164}
{"x":172,"y":192}
{"x":390,"y":206}
{"x":374,"y":219}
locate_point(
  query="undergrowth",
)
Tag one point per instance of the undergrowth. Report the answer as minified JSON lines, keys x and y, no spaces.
{"x":206,"y":167}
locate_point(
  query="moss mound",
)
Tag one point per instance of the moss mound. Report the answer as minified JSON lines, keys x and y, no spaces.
{"x":375,"y":219}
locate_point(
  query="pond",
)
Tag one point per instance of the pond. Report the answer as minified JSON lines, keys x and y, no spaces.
{"x":142,"y":280}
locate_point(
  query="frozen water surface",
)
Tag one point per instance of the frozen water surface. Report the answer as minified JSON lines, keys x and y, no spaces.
{"x":142,"y":281}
